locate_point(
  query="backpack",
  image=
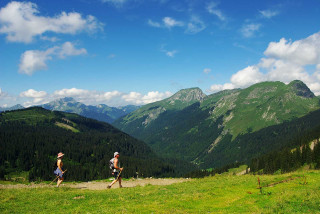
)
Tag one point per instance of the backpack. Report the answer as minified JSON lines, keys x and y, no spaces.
{"x":111,"y":164}
{"x":54,"y":165}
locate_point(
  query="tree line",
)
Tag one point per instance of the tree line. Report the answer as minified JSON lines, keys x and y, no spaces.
{"x":287,"y":160}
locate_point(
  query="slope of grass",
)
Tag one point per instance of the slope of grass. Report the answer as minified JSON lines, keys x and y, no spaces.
{"x":65,"y":126}
{"x":218,"y":194}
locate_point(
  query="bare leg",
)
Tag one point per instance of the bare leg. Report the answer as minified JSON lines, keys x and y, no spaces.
{"x":110,"y":185}
{"x":59,"y":181}
{"x":120,"y":182}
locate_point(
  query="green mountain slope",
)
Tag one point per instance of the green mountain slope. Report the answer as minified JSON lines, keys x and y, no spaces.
{"x":31,"y":138}
{"x":195,"y":131}
{"x":140,"y":119}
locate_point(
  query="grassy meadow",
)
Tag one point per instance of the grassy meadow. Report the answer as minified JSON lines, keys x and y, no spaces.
{"x":218,"y":194}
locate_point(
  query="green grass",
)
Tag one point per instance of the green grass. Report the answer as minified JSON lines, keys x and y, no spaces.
{"x":65,"y":126}
{"x":218,"y":194}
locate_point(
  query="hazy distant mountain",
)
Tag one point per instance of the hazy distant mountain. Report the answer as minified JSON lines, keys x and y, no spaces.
{"x":100,"y":112}
{"x":199,"y":128}
{"x":15,"y":107}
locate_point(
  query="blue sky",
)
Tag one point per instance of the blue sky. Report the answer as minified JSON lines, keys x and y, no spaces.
{"x":120,"y":52}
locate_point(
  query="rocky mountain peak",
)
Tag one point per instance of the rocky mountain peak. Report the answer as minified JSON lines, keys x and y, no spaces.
{"x":301,"y":89}
{"x":68,"y":100}
{"x":188,"y":95}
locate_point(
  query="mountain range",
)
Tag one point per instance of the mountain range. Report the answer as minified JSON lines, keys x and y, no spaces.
{"x":99,"y":112}
{"x":199,"y":128}
{"x":15,"y":107}
{"x":227,"y":127}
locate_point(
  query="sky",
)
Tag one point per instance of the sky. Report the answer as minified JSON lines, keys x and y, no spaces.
{"x":120,"y":52}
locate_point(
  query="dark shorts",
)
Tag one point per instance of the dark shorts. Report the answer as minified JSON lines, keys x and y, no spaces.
{"x":116,"y":175}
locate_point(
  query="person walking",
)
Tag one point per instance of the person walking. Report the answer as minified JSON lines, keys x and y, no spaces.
{"x":59,"y":171}
{"x":116,"y":169}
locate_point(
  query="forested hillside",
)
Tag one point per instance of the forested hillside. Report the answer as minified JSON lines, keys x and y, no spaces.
{"x":288,"y":159}
{"x":31,"y":138}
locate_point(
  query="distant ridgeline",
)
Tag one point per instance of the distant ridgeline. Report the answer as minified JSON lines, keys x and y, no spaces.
{"x":100,"y":112}
{"x":31,"y":138}
{"x":15,"y":107}
{"x":229,"y":126}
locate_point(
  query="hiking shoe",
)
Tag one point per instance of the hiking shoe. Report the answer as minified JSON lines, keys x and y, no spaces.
{"x":109,"y":187}
{"x":120,"y":186}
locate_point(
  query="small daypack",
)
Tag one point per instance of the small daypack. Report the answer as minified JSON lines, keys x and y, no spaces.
{"x":111,"y":164}
{"x":54,"y":165}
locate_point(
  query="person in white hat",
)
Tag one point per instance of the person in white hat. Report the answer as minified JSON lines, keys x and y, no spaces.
{"x":59,"y":172}
{"x":116,"y":170}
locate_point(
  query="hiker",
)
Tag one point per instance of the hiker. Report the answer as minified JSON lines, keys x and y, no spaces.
{"x":116,"y":169}
{"x":59,"y":172}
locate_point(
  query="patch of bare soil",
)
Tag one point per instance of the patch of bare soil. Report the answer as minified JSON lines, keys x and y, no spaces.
{"x":101,"y":185}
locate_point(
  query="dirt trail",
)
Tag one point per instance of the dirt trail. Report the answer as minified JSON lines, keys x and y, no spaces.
{"x":101,"y":185}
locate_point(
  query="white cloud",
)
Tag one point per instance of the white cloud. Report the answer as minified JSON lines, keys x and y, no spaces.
{"x":170,"y":22}
{"x":243,"y":78}
{"x":139,"y":99}
{"x":111,"y":98}
{"x":171,"y":53}
{"x":33,"y":93}
{"x":154,"y":24}
{"x":68,"y":49}
{"x":195,"y":25}
{"x":7,"y":100}
{"x":284,"y":61}
{"x":246,"y":77}
{"x":269,"y":13}
{"x":285,"y":71}
{"x":2,"y":93}
{"x":212,"y":9}
{"x":302,"y":52}
{"x":51,"y":39}
{"x":167,"y":22}
{"x":154,"y":96}
{"x":32,"y":97}
{"x":219,"y":87}
{"x":249,"y":30}
{"x":35,"y":60}
{"x":110,"y":95}
{"x":21,"y":22}
{"x":37,"y":96}
{"x":132,"y":97}
{"x":207,"y":70}
{"x":72,"y":92}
